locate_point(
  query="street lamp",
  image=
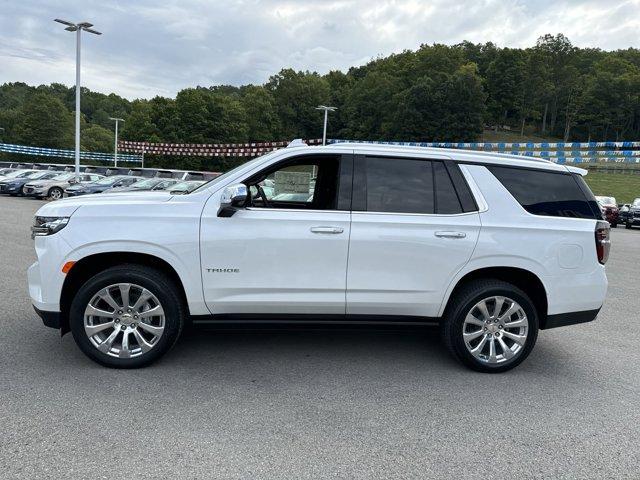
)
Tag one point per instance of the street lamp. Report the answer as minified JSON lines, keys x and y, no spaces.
{"x":78,"y":27}
{"x":326,"y":114}
{"x":115,"y":148}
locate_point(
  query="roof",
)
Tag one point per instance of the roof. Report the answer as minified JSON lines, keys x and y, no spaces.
{"x":468,"y":156}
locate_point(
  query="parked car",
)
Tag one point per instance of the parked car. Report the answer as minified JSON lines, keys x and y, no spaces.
{"x":106,"y":183}
{"x":630,"y":214}
{"x":16,"y":174}
{"x":54,"y":187}
{"x":14,"y":186}
{"x":4,"y":171}
{"x":610,"y":210}
{"x":146,"y":184}
{"x":491,"y":248}
{"x":186,"y":186}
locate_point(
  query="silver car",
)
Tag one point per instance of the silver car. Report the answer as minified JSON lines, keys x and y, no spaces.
{"x":54,"y":188}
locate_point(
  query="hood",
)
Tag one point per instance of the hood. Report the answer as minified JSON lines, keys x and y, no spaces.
{"x":66,"y":206}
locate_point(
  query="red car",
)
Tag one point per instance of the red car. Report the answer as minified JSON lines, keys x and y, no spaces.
{"x":610,"y":210}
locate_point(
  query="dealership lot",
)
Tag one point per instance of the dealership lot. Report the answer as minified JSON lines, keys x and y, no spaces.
{"x":301,"y":404}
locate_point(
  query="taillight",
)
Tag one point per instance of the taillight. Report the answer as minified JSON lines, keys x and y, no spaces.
{"x":603,"y":241}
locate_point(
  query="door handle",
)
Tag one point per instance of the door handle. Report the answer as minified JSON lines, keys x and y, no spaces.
{"x":450,"y":234}
{"x":333,"y":230}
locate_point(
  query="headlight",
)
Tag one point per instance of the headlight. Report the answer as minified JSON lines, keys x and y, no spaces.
{"x":44,"y":226}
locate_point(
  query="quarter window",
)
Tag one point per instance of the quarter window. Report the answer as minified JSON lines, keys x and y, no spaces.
{"x":553,"y":194}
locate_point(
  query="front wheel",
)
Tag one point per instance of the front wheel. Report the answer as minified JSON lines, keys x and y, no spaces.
{"x":127,"y":316}
{"x":491,"y":326}
{"x":55,"y":193}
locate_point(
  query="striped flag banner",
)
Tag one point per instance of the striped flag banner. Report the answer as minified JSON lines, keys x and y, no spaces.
{"x":207,"y":149}
{"x":59,"y":153}
{"x":570,"y":152}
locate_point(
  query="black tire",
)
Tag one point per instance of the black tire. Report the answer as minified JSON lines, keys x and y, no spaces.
{"x":153,"y":280}
{"x":614,"y":225}
{"x":627,"y":226}
{"x":462,"y":303}
{"x":55,"y":191}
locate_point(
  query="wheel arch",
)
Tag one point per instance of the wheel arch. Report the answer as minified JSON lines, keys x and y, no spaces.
{"x":523,"y":279}
{"x":90,"y":265}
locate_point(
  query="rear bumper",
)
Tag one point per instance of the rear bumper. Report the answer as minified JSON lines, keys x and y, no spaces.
{"x":571,"y":318}
{"x":50,"y":319}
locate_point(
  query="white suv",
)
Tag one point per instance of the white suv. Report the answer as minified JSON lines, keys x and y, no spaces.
{"x":491,"y":247}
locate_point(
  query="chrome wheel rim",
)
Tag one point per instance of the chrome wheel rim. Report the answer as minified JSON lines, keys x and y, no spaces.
{"x":495,"y":330}
{"x":124,"y":320}
{"x":55,"y":194}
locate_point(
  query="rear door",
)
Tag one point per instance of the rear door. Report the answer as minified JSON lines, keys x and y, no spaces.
{"x":414,"y":225}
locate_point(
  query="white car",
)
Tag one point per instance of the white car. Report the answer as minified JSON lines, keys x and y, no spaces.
{"x":490,"y":247}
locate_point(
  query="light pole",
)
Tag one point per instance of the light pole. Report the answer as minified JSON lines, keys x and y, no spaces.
{"x":115,"y":148}
{"x":78,"y":27}
{"x":326,"y":114}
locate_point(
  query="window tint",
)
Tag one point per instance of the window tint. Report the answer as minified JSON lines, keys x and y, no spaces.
{"x":546,"y":193}
{"x":399,"y":185}
{"x":447,"y":201}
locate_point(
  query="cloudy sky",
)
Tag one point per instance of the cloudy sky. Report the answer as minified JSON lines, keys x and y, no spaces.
{"x":157,"y":47}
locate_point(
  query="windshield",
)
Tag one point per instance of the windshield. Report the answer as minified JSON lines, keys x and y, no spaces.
{"x":64,"y":177}
{"x":186,"y":187}
{"x":234,"y":170}
{"x":36,"y":175}
{"x":149,"y":183}
{"x":109,"y":180}
{"x":606,"y":200}
{"x":19,"y":174}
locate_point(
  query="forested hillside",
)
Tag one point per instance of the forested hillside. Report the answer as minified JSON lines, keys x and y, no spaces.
{"x":438,"y":93}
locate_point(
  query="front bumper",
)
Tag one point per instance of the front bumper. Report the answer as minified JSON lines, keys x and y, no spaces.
{"x":8,"y":189}
{"x":75,"y":193}
{"x":50,"y":319}
{"x":35,"y":192}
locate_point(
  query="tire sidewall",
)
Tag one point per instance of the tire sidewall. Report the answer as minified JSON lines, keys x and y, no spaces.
{"x":463,"y":309}
{"x":55,"y":189}
{"x":156,"y":284}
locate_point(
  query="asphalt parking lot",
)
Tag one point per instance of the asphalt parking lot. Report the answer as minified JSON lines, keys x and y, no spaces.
{"x":318,"y":404}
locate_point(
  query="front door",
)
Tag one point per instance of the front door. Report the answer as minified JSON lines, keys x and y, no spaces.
{"x":411,"y":232}
{"x":286,"y":252}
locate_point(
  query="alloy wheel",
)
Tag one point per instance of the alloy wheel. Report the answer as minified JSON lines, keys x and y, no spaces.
{"x":124,"y":320}
{"x":55,"y":194}
{"x":495,"y":330}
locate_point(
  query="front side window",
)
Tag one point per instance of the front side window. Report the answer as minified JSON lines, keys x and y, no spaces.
{"x":307,"y":183}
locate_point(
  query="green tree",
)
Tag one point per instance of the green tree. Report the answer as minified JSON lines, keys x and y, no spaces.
{"x":263,"y":123}
{"x":44,"y":121}
{"x":95,"y":138}
{"x":296,"y":95}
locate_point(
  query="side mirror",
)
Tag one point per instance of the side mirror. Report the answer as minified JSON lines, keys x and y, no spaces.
{"x":233,"y":198}
{"x":72,"y":181}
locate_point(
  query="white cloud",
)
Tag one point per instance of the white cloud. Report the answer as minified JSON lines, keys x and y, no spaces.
{"x":156,"y":48}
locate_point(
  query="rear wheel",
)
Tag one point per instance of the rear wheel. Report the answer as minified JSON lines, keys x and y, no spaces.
{"x":491,"y":326}
{"x":127,"y":316}
{"x":55,"y":193}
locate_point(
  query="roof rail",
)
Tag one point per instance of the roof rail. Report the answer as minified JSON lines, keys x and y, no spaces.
{"x":297,"y":142}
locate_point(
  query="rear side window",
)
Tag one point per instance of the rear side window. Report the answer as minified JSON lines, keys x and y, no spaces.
{"x":409,"y":185}
{"x":552,"y":194}
{"x":447,"y":201}
{"x":399,"y":185}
